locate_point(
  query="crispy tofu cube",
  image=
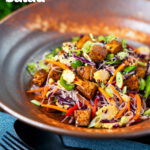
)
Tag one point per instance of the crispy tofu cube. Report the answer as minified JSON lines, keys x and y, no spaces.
{"x":141,"y":71}
{"x":132,"y":83}
{"x":82,"y":117}
{"x":40,"y":77}
{"x":88,"y":89}
{"x":86,"y":72}
{"x":98,"y":53}
{"x":114,"y":46}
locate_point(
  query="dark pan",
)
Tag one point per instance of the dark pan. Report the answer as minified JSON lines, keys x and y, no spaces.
{"x":27,"y":33}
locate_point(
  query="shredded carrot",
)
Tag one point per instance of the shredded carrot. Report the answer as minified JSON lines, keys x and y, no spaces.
{"x":54,"y":107}
{"x":46,"y":88}
{"x":121,"y":112}
{"x":61,"y":65}
{"x":105,"y":94}
{"x":132,"y":95}
{"x":128,"y":105}
{"x":86,"y":102}
{"x":117,"y":70}
{"x":117,"y":93}
{"x":35,"y":90}
{"x":138,"y":111}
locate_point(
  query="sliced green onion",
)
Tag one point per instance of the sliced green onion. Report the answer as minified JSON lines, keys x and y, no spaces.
{"x":124,"y":43}
{"x":32,"y":67}
{"x":35,"y":102}
{"x":113,"y":62}
{"x":142,"y":84}
{"x":92,"y":37}
{"x":109,"y":38}
{"x":65,"y":85}
{"x":147,"y":87}
{"x":129,"y":69}
{"x":76,"y":64}
{"x":43,"y":66}
{"x":124,"y":119}
{"x":147,"y":112}
{"x":122,"y":55}
{"x":109,"y":56}
{"x":141,"y":63}
{"x":124,"y":90}
{"x":101,"y":38}
{"x":53,"y":53}
{"x":87,"y":46}
{"x":75,"y":39}
{"x":119,"y":79}
{"x":95,"y":122}
{"x":109,"y":91}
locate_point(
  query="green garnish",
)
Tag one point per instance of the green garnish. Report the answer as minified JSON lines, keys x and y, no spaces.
{"x":142,"y":84}
{"x":92,"y":37}
{"x":109,"y":38}
{"x":124,"y":43}
{"x":102,"y":85}
{"x":65,"y":85}
{"x":109,"y":91}
{"x":87,"y":46}
{"x":124,"y":90}
{"x":122,"y":55}
{"x":147,"y":87}
{"x":35,"y":102}
{"x":124,"y":119}
{"x":32,"y":67}
{"x":75,"y":39}
{"x":119,"y":79}
{"x":43,"y":66}
{"x":113,"y":62}
{"x":76,"y":64}
{"x":53,"y":53}
{"x":129,"y":69}
{"x":47,"y":93}
{"x":101,"y":38}
{"x":147,"y":112}
{"x":109,"y":56}
{"x":141,"y":63}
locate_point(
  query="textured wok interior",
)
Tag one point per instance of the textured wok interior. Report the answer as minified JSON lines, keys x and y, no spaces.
{"x":26,"y":34}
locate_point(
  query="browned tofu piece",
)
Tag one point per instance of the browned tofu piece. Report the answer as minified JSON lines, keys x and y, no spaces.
{"x":55,"y":73}
{"x":114,"y":46}
{"x":132,"y":83}
{"x":86,"y":72}
{"x":39,"y":77}
{"x":98,"y":53}
{"x":88,"y":89}
{"x":82,"y":40}
{"x":141,"y":71}
{"x":82,"y":117}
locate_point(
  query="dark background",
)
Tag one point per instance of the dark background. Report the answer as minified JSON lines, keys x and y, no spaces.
{"x":6,"y":8}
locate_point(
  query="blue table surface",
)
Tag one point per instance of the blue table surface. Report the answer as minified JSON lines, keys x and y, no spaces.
{"x":7,"y":122}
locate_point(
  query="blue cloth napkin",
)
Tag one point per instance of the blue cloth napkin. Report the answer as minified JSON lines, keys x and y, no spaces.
{"x":7,"y":124}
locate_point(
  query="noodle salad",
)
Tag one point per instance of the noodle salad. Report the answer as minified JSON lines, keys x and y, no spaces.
{"x":95,"y":82}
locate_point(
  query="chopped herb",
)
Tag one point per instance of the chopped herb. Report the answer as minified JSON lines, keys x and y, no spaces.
{"x":53,"y":53}
{"x":109,"y":38}
{"x":124,"y":90}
